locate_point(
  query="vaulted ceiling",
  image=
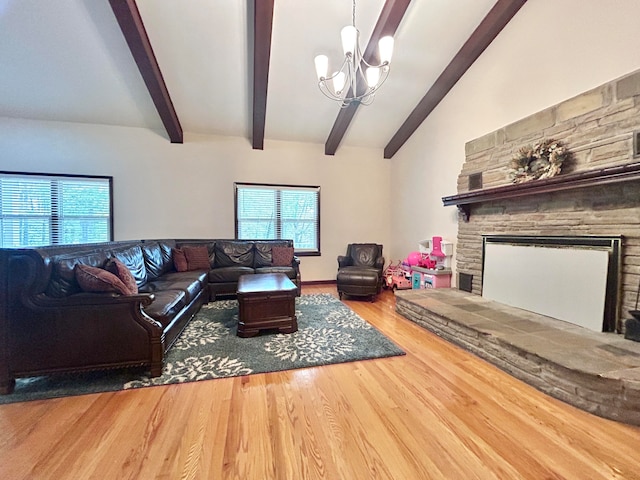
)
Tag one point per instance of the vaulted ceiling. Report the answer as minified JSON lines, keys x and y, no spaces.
{"x":235,"y":67}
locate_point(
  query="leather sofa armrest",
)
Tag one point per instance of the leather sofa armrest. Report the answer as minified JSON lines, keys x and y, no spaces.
{"x":90,"y":299}
{"x":81,"y":305}
{"x":296,"y":262}
{"x":380,"y":263}
{"x":344,"y":261}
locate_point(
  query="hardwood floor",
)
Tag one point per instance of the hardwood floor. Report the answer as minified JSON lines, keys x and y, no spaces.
{"x":438,"y":412}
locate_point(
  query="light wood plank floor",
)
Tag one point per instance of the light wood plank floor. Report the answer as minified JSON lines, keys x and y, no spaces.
{"x":438,"y":412}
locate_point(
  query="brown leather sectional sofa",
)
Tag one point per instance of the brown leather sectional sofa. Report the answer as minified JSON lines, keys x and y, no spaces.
{"x":49,"y":325}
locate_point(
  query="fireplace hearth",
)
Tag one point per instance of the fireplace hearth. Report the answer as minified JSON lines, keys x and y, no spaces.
{"x":597,"y":372}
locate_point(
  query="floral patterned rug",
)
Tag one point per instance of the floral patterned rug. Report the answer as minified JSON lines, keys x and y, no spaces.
{"x":328,"y":332}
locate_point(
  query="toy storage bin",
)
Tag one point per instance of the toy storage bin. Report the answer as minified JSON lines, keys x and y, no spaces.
{"x":437,"y":281}
{"x":430,"y":278}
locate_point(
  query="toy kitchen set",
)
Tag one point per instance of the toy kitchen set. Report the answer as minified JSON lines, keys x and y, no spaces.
{"x":431,"y":267}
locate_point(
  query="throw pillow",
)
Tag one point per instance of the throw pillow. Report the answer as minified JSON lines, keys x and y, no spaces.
{"x":179,"y":260}
{"x":121,"y":271}
{"x":281,"y":256}
{"x":197,"y":257}
{"x":94,"y":279}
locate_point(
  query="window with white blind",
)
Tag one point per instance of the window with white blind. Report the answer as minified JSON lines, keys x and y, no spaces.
{"x":279,"y":211}
{"x":43,"y":209}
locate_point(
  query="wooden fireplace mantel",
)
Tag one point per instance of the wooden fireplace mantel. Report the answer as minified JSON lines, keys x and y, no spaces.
{"x":590,"y":178}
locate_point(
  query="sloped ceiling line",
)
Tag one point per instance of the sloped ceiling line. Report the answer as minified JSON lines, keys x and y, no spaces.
{"x":128,"y":17}
{"x":387,"y":24}
{"x":262,"y":27}
{"x":492,"y":24}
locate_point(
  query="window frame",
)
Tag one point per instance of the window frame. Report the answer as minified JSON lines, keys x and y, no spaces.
{"x":54,"y":216}
{"x":278,"y":186}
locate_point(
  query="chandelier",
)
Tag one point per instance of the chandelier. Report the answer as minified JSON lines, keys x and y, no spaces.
{"x":356,"y":81}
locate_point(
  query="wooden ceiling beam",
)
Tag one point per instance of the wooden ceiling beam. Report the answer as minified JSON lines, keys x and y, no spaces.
{"x":492,"y":24}
{"x":128,"y":17}
{"x":262,"y":27}
{"x":392,"y":13}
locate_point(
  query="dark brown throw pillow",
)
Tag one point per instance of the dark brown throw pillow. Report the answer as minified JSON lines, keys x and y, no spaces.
{"x":121,"y":271}
{"x":179,"y":260}
{"x":94,"y":279}
{"x":197,"y":257}
{"x":281,"y":256}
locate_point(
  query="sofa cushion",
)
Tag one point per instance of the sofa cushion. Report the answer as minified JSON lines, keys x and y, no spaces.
{"x":228,"y":274}
{"x":197,"y":257}
{"x":263,"y":252}
{"x":157,"y":259}
{"x":288,"y":271}
{"x":63,"y":278}
{"x":211,"y":247}
{"x":121,"y":271}
{"x":230,"y":253}
{"x":134,"y":260}
{"x":166,"y":305}
{"x":191,"y":257}
{"x":281,"y":256}
{"x":198,"y":274}
{"x":94,"y":279}
{"x":191,"y":283}
{"x":179,"y":260}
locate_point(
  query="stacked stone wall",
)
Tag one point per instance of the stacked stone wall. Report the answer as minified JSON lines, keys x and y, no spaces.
{"x":598,"y":129}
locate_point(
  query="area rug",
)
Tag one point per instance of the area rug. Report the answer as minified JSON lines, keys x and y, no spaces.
{"x":328,"y":332}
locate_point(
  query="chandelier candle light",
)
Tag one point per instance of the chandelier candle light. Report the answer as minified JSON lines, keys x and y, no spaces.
{"x":352,"y":83}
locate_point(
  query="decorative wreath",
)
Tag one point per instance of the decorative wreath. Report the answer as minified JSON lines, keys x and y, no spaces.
{"x":543,"y":160}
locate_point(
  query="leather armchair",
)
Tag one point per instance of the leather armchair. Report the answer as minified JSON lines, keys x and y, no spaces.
{"x":360,"y":270}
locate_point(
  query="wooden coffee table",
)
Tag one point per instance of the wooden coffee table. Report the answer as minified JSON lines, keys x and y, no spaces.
{"x":266,"y":301}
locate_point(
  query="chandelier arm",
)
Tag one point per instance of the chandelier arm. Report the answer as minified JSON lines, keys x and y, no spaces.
{"x":382,"y":65}
{"x":335,"y":74}
{"x":369,"y":91}
{"x":328,"y":93}
{"x":328,"y":90}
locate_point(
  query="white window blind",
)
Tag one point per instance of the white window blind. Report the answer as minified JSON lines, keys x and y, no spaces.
{"x":37,"y":210}
{"x":279,"y":212}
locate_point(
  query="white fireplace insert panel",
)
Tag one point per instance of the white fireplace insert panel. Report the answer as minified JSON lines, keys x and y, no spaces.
{"x":564,"y":283}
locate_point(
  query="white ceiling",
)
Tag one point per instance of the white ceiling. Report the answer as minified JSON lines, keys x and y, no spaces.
{"x":67,"y":60}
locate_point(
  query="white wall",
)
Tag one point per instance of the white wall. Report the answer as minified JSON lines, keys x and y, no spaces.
{"x":164,"y":190}
{"x":551,"y":51}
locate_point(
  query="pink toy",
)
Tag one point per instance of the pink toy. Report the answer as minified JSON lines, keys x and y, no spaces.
{"x":414,"y":258}
{"x":420,"y":260}
{"x":396,"y":278}
{"x":427,"y":262}
{"x":436,"y":250}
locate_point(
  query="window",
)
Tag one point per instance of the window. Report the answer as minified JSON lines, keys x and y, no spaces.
{"x":43,"y":209}
{"x":279,"y":211}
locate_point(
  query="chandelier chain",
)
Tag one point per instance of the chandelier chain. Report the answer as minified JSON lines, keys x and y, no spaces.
{"x":353,"y":16}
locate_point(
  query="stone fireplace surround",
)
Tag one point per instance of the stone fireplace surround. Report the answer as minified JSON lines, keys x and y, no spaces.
{"x":598,"y":192}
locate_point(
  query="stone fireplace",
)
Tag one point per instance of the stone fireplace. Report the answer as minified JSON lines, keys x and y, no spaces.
{"x":596,"y":195}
